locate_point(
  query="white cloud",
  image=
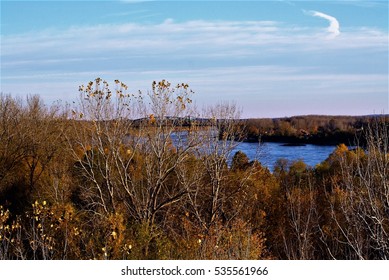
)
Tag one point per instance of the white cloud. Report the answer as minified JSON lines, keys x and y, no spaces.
{"x":192,"y":38}
{"x":155,"y":36}
{"x":214,"y":57}
{"x":334,"y":23}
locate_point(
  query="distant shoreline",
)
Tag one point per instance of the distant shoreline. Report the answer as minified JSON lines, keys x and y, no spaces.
{"x":294,"y":141}
{"x":310,"y":129}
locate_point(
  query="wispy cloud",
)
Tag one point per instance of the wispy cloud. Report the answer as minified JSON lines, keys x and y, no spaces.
{"x":200,"y":37}
{"x":334,"y":23}
{"x":173,"y":44}
{"x":230,"y":57}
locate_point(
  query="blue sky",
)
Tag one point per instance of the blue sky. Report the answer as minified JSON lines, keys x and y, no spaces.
{"x":273,"y":58}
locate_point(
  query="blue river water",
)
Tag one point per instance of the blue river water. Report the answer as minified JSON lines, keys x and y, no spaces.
{"x":268,"y":153}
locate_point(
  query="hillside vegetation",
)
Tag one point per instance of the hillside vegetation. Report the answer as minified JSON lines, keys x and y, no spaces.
{"x":110,"y":177}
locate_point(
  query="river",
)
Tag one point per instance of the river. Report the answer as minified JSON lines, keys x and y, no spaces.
{"x":268,"y":153}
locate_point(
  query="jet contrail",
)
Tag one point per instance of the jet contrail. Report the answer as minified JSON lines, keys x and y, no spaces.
{"x":334,"y":23}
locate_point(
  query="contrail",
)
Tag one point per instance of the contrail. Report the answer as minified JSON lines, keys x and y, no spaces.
{"x":334,"y":23}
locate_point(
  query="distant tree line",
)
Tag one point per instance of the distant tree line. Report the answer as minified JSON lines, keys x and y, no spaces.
{"x":310,"y":129}
{"x":118,"y":175}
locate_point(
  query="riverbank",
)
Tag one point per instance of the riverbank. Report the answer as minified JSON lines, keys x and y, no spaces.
{"x":318,"y":139}
{"x":311,"y":129}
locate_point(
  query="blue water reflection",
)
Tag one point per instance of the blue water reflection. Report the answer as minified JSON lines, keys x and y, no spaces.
{"x":268,"y":153}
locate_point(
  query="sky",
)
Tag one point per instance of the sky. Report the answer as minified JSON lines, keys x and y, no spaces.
{"x":272,"y":58}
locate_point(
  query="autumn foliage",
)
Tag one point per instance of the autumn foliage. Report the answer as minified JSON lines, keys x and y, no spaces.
{"x":120,"y":175}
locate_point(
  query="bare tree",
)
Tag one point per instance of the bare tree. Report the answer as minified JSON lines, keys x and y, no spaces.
{"x":128,"y":146}
{"x":12,"y":136}
{"x":31,"y":137}
{"x":361,"y":206}
{"x":302,"y":222}
{"x":101,"y":122}
{"x":168,"y":143}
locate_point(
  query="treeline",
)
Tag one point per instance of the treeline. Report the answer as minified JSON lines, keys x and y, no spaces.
{"x":310,"y":129}
{"x":87,"y":182}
